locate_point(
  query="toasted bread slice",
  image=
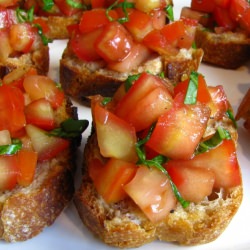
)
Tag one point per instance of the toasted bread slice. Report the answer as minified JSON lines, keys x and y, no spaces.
{"x":228,"y":49}
{"x":81,"y":79}
{"x":123,"y":224}
{"x":27,"y":209}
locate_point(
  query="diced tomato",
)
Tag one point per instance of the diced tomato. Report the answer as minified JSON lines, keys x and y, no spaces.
{"x":139,"y":24}
{"x":148,"y":6}
{"x":222,"y":160}
{"x":194,"y":184}
{"x":8,"y":172}
{"x":151,"y":191}
{"x":94,"y":19}
{"x":114,"y":43}
{"x":219,"y":103}
{"x":179,"y":130}
{"x":203,"y":5}
{"x":137,"y":56}
{"x":66,"y":9}
{"x":98,"y":4}
{"x":27,"y":161}
{"x":5,"y":45}
{"x":245,"y":20}
{"x":222,"y":3}
{"x":21,"y":37}
{"x":238,"y":8}
{"x":83,"y":45}
{"x":7,"y":3}
{"x":12,"y":115}
{"x":43,"y":24}
{"x":203,"y":94}
{"x":40,"y":113}
{"x":158,"y":17}
{"x":38,"y":86}
{"x":116,"y":137}
{"x":47,"y":147}
{"x":7,"y":18}
{"x":146,"y":100}
{"x":110,"y":178}
{"x":223,"y":19}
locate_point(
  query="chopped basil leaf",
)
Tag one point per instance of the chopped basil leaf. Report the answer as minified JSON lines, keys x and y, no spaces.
{"x":229,"y":113}
{"x":191,"y":95}
{"x":170,"y":12}
{"x":48,"y":4}
{"x":129,"y":81}
{"x":157,"y":163}
{"x":106,"y":100}
{"x":45,"y":40}
{"x":220,"y":135}
{"x":12,"y":148}
{"x":194,"y":46}
{"x":124,"y":5}
{"x":76,"y":5}
{"x":70,"y":128}
{"x":25,"y":16}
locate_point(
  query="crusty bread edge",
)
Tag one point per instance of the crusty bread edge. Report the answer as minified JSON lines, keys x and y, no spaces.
{"x":26,"y":211}
{"x":198,"y":224}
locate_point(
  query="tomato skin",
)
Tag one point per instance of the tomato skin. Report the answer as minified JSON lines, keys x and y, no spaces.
{"x":116,"y":137}
{"x":40,"y":113}
{"x":203,"y":94}
{"x":179,"y":130}
{"x":27,"y":161}
{"x":8,"y":172}
{"x":151,"y":191}
{"x":38,"y":86}
{"x":114,"y":43}
{"x":138,"y":55}
{"x":65,"y":8}
{"x":109,"y":178}
{"x":83,"y":45}
{"x":21,"y":37}
{"x":190,"y":179}
{"x":237,"y":9}
{"x":245,"y":20}
{"x":203,"y":5}
{"x":221,"y":160}
{"x":12,"y":115}
{"x":94,"y":19}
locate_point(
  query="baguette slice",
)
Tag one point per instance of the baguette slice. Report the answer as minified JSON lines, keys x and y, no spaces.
{"x":123,"y":225}
{"x":228,"y":50}
{"x":26,"y":210}
{"x":81,"y":79}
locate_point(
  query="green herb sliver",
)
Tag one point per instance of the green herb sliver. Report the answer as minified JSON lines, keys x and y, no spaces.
{"x":76,"y":5}
{"x":191,"y":95}
{"x":11,"y":149}
{"x":124,"y":5}
{"x":170,"y":12}
{"x":70,"y":128}
{"x":48,"y":4}
{"x":230,"y":115}
{"x":220,"y":135}
{"x":157,"y":163}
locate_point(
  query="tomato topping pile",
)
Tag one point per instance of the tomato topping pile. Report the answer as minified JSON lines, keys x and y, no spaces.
{"x":162,"y":145}
{"x":222,"y":15}
{"x":126,"y":33}
{"x":30,"y":129}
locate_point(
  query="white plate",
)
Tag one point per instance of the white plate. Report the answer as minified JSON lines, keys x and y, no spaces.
{"x":68,"y":232}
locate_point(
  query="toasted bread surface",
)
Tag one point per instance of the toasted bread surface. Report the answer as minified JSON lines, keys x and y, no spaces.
{"x":228,"y":49}
{"x":38,"y":59}
{"x":80,"y":79}
{"x":26,"y":211}
{"x":123,"y":225}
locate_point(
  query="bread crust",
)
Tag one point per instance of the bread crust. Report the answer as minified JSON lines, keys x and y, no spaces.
{"x":80,"y":79}
{"x":38,"y":59}
{"x":26,"y":211}
{"x":123,"y":225}
{"x":228,"y":50}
